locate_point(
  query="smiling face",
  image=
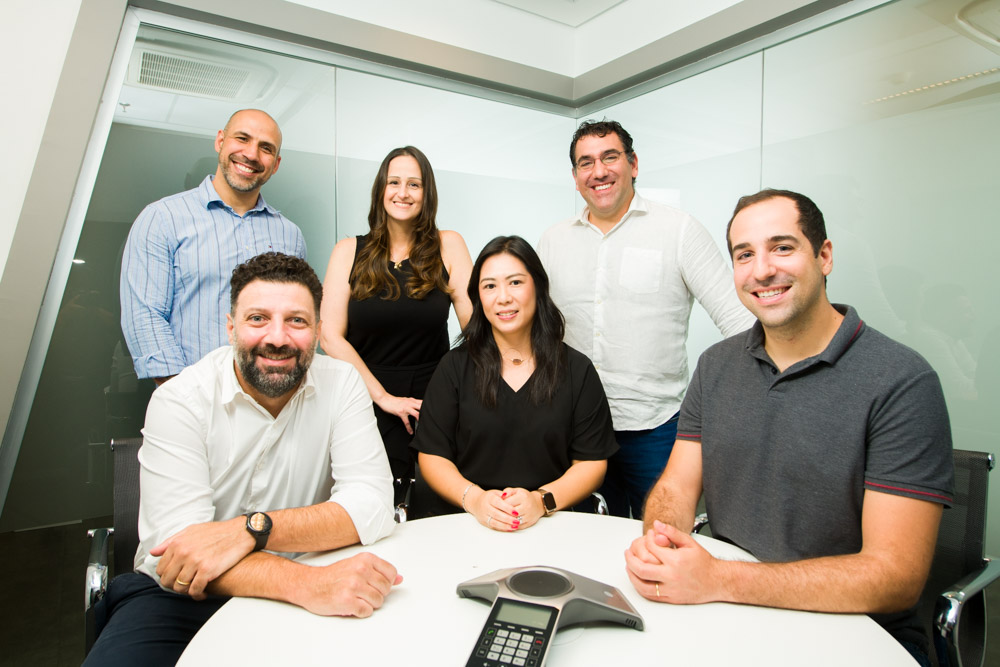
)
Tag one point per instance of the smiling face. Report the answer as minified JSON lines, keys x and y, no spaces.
{"x":274,"y":331}
{"x":507,"y":293}
{"x":404,"y":189}
{"x":248,"y":151}
{"x":778,"y":276}
{"x":607,"y":189}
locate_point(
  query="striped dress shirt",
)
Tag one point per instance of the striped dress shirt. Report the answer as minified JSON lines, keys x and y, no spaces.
{"x":179,"y":257}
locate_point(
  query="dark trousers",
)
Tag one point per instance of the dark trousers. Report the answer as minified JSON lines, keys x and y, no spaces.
{"x":635,"y":467}
{"x":139,"y":623}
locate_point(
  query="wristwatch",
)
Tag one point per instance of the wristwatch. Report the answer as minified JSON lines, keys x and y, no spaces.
{"x":548,"y":501}
{"x":259,"y":526}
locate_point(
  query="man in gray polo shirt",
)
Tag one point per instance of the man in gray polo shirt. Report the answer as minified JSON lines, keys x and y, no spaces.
{"x":823,"y":447}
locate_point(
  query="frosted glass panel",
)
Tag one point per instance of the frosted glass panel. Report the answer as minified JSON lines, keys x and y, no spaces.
{"x":698,"y":147}
{"x":889,"y":122}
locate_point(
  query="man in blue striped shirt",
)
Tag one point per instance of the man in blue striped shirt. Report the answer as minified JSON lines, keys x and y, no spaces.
{"x":182,"y":250}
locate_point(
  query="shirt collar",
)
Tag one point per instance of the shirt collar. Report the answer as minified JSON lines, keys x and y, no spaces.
{"x":210,"y":197}
{"x":231,"y":385}
{"x":638,"y":206}
{"x":849,"y":330}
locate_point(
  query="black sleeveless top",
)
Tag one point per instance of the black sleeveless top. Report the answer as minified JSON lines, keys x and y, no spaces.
{"x":405,"y":334}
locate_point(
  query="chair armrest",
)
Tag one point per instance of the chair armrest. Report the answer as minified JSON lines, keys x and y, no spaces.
{"x":949,"y":605}
{"x":97,"y":566}
{"x":600,"y":504}
{"x":700,"y":522}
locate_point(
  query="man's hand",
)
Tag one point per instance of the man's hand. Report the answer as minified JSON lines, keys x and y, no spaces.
{"x":668,"y":565}
{"x":355,"y":586}
{"x":196,"y":556}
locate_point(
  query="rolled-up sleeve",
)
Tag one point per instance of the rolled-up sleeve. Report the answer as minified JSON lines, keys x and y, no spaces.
{"x":362,"y":480}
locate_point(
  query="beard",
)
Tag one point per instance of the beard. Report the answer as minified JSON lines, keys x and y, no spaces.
{"x":239,"y":182}
{"x":275,"y":382}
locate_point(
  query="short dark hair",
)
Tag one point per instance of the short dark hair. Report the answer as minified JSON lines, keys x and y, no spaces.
{"x":275,"y":267}
{"x":602,"y":128}
{"x":547,"y":328}
{"x":810,"y":217}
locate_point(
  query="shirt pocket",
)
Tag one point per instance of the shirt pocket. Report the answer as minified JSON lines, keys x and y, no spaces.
{"x":641,"y":270}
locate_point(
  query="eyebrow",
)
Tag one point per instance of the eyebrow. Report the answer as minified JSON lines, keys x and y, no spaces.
{"x":519,"y":274}
{"x":411,"y":178}
{"x":772,"y":240}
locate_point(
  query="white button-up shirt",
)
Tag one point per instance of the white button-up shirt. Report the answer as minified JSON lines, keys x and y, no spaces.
{"x":627,"y":295}
{"x":210,"y":452}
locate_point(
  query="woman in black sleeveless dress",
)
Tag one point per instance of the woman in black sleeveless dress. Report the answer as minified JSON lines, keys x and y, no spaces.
{"x":386,"y":298}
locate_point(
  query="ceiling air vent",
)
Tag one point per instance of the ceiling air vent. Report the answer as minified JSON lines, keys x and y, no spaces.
{"x":175,"y":71}
{"x":184,"y":75}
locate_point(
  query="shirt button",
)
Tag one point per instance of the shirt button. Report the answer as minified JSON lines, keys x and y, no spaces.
{"x":774,"y":371}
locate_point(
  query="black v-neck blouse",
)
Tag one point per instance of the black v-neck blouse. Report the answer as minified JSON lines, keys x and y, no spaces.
{"x":517,"y":443}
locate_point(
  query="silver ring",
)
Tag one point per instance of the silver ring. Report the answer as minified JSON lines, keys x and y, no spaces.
{"x":489,"y":521}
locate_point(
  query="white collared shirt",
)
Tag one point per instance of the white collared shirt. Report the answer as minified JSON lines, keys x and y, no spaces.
{"x":627,"y":295}
{"x":210,"y":452}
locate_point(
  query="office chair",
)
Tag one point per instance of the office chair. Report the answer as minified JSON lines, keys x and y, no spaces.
{"x":125,"y":531}
{"x":953,"y":604}
{"x":954,"y":599}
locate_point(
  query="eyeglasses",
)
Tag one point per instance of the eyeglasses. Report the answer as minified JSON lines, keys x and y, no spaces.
{"x":608,"y":159}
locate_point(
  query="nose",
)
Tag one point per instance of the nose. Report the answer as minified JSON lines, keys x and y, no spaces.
{"x":763,"y":268}
{"x":276,"y":333}
{"x":503,"y":295}
{"x":600,"y":169}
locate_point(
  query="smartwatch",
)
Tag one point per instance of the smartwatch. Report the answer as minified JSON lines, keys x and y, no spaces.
{"x":259,"y":526}
{"x":548,"y":501}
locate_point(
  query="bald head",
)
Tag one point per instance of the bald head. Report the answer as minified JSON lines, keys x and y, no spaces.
{"x":256,"y":117}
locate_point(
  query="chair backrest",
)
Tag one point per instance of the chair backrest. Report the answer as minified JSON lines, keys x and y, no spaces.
{"x":960,"y":550}
{"x":126,"y":501}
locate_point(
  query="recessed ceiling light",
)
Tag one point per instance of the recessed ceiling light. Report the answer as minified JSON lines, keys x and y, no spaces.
{"x":939,"y":84}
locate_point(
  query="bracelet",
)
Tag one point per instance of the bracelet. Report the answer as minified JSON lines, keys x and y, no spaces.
{"x":463,"y":495}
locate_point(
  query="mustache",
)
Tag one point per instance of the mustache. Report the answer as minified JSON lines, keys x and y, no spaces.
{"x":274,"y":352}
{"x":253,"y":164}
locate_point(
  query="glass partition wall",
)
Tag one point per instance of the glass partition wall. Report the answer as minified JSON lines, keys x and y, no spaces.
{"x":886,"y":119}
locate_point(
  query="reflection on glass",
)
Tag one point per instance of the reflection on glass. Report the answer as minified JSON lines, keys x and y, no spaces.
{"x":889,"y":122}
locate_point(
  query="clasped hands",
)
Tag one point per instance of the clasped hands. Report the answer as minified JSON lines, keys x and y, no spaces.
{"x":668,"y":565}
{"x":505,"y":510}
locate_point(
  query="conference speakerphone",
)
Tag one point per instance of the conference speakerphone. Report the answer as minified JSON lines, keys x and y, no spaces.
{"x":530,"y":604}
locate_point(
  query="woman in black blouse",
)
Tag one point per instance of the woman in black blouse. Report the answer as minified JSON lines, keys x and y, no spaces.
{"x":515,"y":423}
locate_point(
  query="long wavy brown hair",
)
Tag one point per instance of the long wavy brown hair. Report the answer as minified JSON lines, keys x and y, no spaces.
{"x":370,"y":275}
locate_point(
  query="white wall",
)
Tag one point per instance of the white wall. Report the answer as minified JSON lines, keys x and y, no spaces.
{"x":36,"y":36}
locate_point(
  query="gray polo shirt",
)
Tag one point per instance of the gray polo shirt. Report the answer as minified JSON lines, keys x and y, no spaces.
{"x":788,"y":456}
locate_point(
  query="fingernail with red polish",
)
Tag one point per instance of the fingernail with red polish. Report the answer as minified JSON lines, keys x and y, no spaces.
{"x":503,"y":495}
{"x":515,"y":512}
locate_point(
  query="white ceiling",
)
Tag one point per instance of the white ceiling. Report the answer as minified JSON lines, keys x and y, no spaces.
{"x":567,"y":37}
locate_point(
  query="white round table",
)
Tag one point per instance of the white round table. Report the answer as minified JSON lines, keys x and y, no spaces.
{"x":424,"y":622}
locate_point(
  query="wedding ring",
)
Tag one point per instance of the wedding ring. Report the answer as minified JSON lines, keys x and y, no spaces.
{"x":489,"y":521}
{"x":657,"y":589}
{"x":182,"y":583}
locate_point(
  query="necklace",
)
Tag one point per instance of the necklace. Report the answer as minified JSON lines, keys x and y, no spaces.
{"x":516,"y":358}
{"x":398,"y":264}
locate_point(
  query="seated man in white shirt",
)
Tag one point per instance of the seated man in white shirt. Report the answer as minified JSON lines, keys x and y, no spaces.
{"x":258,"y":445}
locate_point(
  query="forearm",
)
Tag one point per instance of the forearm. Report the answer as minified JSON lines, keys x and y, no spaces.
{"x":262,"y":575}
{"x":443,"y":476}
{"x":579,"y":481}
{"x":666,"y":505}
{"x":855,"y":583}
{"x":319,"y":527}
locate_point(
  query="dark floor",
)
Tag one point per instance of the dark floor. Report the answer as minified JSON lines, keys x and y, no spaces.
{"x":43,"y":619}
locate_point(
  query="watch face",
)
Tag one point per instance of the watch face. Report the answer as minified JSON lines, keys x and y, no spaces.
{"x":259,"y":522}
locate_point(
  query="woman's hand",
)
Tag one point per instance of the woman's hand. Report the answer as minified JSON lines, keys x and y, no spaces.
{"x":403,"y":407}
{"x":493,"y":511}
{"x":527,"y":505}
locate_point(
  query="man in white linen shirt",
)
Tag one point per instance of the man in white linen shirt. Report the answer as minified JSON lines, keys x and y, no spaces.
{"x":625,"y":273}
{"x":258,"y":445}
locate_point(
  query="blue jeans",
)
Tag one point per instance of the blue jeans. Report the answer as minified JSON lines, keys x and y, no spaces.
{"x":635,"y":467}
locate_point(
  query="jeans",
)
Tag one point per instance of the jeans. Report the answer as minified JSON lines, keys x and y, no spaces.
{"x":141,"y":624}
{"x":635,"y":467}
